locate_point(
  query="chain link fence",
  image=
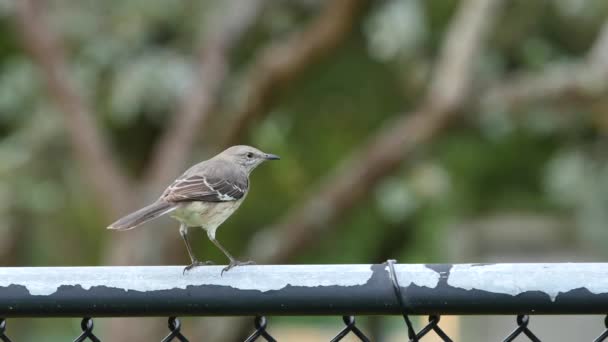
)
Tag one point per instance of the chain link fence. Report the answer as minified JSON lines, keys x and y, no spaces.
{"x":261,"y":333}
{"x":517,"y":289}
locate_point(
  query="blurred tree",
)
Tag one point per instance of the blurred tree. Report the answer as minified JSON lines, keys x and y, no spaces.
{"x":396,"y":119}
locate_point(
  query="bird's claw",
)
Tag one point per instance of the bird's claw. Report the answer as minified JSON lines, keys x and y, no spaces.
{"x":234,"y":263}
{"x":196,"y":263}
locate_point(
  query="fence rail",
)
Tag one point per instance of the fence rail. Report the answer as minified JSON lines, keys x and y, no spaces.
{"x":304,"y":290}
{"x":346,"y":290}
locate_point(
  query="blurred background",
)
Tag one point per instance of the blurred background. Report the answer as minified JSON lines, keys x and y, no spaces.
{"x":430,"y":131}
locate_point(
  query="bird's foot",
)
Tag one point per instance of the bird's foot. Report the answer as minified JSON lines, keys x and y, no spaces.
{"x":196,"y":263}
{"x":234,"y":263}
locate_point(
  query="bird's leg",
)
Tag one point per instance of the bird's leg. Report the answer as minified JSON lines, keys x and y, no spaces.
{"x":183,"y":231}
{"x":233,"y":261}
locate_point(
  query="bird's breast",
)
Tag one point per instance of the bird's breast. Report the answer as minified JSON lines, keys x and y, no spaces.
{"x":208,"y":215}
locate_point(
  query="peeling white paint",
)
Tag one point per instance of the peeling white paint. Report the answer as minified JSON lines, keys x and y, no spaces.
{"x":416,"y":274}
{"x":511,"y":279}
{"x":44,"y":281}
{"x":514,"y":279}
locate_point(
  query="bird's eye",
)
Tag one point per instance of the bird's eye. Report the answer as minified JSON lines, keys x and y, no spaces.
{"x":249,"y":155}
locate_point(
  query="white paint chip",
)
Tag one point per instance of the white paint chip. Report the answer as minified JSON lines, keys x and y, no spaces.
{"x":44,"y":281}
{"x":416,"y":274}
{"x":511,"y":279}
{"x":514,"y":279}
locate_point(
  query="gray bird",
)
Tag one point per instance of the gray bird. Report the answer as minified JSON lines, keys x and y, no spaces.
{"x":204,"y":196}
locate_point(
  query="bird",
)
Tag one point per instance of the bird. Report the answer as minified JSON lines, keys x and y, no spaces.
{"x":204,"y":196}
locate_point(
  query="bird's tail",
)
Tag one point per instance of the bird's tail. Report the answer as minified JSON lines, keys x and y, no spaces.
{"x":143,"y":215}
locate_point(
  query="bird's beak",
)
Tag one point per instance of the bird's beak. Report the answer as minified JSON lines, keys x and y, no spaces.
{"x":269,"y":156}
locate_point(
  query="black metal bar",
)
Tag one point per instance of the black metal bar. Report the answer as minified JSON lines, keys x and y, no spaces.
{"x":304,"y":290}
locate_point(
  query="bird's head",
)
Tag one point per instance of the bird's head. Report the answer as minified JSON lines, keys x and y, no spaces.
{"x":246,"y":156}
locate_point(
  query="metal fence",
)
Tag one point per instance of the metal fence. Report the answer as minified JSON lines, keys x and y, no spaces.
{"x":343,"y":290}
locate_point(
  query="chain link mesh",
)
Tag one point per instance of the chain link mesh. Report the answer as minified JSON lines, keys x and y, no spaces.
{"x":261,"y":325}
{"x":260,"y":330}
{"x":3,"y":336}
{"x":87,"y":331}
{"x":350,"y":327}
{"x":433,"y":326}
{"x":175,"y":333}
{"x":522,"y":322}
{"x":604,"y":335}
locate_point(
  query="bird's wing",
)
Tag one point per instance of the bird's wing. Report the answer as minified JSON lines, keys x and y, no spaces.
{"x":206,"y":188}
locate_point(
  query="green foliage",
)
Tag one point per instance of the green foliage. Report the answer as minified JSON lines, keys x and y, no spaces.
{"x":133,"y":60}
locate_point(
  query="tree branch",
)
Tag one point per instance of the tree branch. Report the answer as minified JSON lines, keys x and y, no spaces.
{"x":386,"y":150}
{"x":451,"y":81}
{"x":585,"y":78}
{"x":224,"y":33}
{"x":280,"y":63}
{"x":90,"y":147}
{"x":599,"y":51}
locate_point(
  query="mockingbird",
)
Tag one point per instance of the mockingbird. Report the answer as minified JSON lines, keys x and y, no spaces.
{"x":204,"y":196}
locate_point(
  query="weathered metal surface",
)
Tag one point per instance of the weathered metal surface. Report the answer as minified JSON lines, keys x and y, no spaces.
{"x":569,"y":288}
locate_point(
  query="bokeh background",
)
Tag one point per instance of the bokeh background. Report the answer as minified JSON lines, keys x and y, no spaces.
{"x":421,"y":130}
